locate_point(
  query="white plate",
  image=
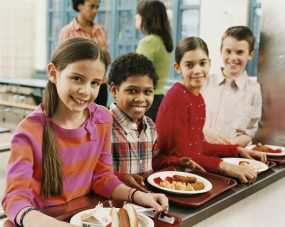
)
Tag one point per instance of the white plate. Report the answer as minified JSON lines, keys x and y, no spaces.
{"x":272,"y":147}
{"x":257,"y":165}
{"x":164,"y":174}
{"x":144,"y":221}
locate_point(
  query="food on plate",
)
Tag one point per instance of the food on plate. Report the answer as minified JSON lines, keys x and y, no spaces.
{"x":198,"y":186}
{"x":115,"y":217}
{"x":263,"y":148}
{"x":180,"y":183}
{"x":122,"y":217}
{"x":89,"y":218}
{"x":244,"y":163}
{"x":185,"y":179}
{"x":132,"y":214}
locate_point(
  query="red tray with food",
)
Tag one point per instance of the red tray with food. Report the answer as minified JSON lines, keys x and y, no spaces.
{"x":206,"y":187}
{"x":277,"y":160}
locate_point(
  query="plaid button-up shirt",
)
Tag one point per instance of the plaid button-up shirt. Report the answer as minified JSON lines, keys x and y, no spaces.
{"x":132,"y":150}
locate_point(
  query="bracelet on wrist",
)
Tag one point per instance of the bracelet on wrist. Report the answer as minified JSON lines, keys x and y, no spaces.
{"x":130,"y":194}
{"x":133,"y":195}
{"x":24,"y":214}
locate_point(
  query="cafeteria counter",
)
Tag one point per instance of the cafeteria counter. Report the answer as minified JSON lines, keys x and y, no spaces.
{"x":260,"y":204}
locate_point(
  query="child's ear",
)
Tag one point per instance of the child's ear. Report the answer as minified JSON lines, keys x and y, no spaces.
{"x":114,"y":90}
{"x":251,"y":55}
{"x":51,"y":72}
{"x":177,"y":68}
{"x":79,"y":6}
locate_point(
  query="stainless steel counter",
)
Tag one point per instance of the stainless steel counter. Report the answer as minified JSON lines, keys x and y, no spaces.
{"x":192,"y":216}
{"x":33,"y":83}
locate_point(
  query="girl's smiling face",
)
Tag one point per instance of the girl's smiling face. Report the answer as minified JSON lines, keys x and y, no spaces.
{"x":193,"y":68}
{"x":77,"y":84}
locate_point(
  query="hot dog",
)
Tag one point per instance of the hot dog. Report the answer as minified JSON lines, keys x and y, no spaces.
{"x":132,"y":214}
{"x":125,"y":217}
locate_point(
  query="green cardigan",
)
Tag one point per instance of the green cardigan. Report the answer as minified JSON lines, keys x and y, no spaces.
{"x":153,"y":48}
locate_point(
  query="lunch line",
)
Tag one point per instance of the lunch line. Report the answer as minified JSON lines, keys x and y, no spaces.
{"x":191,"y":216}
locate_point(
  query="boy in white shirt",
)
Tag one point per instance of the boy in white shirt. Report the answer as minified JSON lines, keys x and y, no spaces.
{"x":233,"y":100}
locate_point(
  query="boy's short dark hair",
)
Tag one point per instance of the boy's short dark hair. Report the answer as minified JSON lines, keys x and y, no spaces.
{"x":75,"y":4}
{"x":240,"y":33}
{"x":129,"y":65}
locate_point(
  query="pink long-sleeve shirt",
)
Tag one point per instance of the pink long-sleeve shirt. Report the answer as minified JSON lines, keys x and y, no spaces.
{"x":86,"y":161}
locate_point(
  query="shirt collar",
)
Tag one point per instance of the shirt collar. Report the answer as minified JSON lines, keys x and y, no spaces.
{"x":124,"y":120}
{"x":76,"y":25}
{"x":239,"y":81}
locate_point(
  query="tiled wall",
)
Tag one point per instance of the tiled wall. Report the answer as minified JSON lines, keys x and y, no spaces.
{"x":17,"y":37}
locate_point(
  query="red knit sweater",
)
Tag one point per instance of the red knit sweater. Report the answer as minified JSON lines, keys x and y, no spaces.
{"x":180,"y":123}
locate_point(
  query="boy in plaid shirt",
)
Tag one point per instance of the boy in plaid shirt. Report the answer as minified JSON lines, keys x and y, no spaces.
{"x":132,"y":79}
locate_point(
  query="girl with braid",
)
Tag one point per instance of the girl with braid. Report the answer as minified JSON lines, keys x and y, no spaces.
{"x":62,"y":150}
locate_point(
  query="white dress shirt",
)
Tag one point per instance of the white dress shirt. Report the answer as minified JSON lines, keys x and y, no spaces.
{"x":233,"y":106}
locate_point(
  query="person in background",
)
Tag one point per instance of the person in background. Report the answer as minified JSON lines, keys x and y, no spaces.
{"x":62,"y":150}
{"x":132,"y":80}
{"x":181,"y":118}
{"x":83,"y":26}
{"x":233,"y":100}
{"x":156,"y":45}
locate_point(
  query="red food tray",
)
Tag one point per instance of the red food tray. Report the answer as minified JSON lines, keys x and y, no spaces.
{"x":220,"y":185}
{"x":277,"y":160}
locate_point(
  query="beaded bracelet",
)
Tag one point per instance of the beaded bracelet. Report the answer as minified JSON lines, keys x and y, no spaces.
{"x":133,"y":195}
{"x":24,"y":214}
{"x":130,"y":194}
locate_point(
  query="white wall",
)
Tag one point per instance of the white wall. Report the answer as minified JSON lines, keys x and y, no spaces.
{"x":41,"y":35}
{"x":216,"y":17}
{"x":22,"y":37}
{"x":17,"y":36}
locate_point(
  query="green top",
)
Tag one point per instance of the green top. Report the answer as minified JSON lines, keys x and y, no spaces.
{"x":153,"y":48}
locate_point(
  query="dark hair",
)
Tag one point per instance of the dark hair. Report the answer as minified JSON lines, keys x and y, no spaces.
{"x":70,"y":51}
{"x":240,"y":33}
{"x":129,"y":65}
{"x":155,"y":21}
{"x":188,"y":44}
{"x":75,"y":4}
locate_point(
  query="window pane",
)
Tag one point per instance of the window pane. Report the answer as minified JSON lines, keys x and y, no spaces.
{"x":190,"y":23}
{"x":190,"y":2}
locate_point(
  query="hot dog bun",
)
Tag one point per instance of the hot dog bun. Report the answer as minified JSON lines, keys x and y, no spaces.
{"x":115,"y":217}
{"x":132,"y":214}
{"x":123,"y":217}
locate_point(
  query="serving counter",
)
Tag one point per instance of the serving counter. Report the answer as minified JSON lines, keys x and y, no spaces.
{"x":260,"y":204}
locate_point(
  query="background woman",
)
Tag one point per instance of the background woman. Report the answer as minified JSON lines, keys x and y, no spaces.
{"x":157,"y":44}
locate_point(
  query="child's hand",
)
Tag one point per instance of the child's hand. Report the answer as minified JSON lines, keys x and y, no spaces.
{"x":134,"y":181}
{"x":241,"y":140}
{"x":187,"y":162}
{"x":246,"y":153}
{"x":36,"y":218}
{"x":157,"y":201}
{"x":244,"y":174}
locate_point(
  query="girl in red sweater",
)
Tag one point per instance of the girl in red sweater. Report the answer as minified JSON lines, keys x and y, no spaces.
{"x":181,"y":118}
